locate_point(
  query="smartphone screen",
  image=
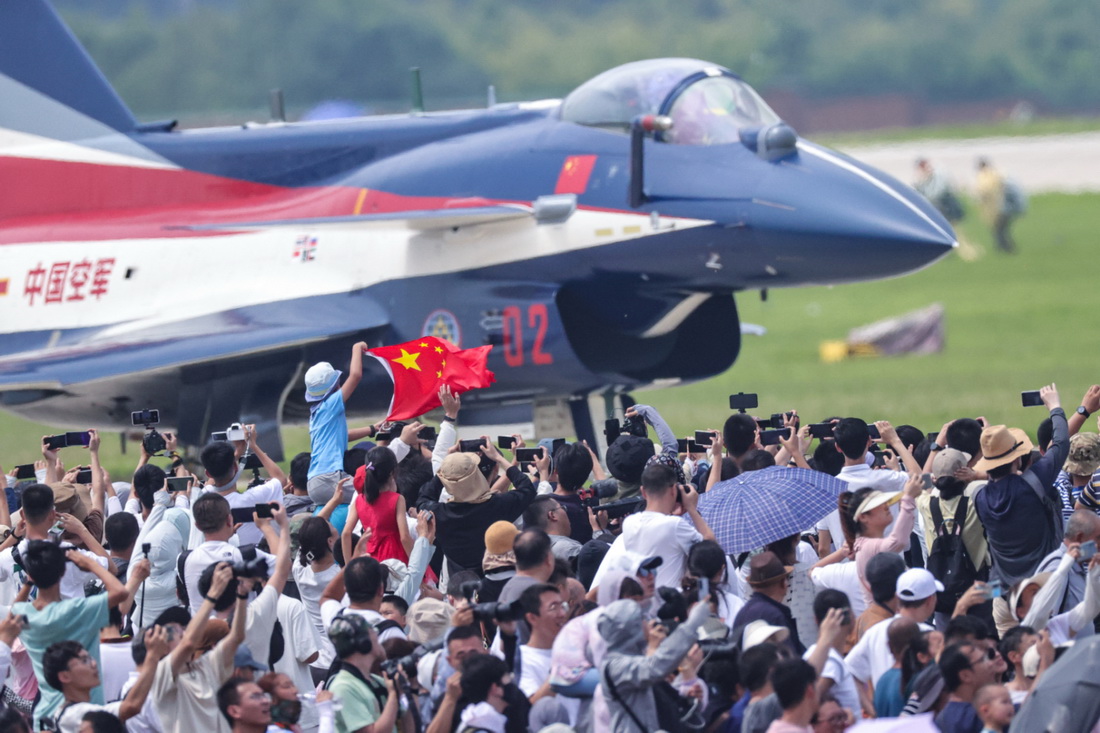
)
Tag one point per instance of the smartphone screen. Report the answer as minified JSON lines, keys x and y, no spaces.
{"x":505,"y":442}
{"x":54,"y":442}
{"x":771,"y":437}
{"x":703,"y":437}
{"x":81,"y":438}
{"x":179,"y":483}
{"x":241,"y":514}
{"x":84,"y":476}
{"x":471,"y":446}
{"x":872,"y":430}
{"x":821,"y":430}
{"x":1088,"y":549}
{"x":528,"y":455}
{"x":926,"y":480}
{"x":25,"y":471}
{"x":1031,"y":398}
{"x":263,"y":511}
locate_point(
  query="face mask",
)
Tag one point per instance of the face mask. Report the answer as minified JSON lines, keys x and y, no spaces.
{"x":286,"y":712}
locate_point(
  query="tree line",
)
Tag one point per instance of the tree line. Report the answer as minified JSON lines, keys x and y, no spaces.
{"x":196,"y":57}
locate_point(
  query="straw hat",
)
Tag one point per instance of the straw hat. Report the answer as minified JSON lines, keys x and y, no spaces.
{"x":1002,"y":445}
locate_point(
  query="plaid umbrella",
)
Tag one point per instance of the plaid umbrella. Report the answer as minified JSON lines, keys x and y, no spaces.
{"x":758,"y":507}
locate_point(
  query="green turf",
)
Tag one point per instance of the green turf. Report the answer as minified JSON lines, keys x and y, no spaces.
{"x":1012,"y":323}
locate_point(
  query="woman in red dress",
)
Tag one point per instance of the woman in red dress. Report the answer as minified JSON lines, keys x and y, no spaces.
{"x":381,"y":507}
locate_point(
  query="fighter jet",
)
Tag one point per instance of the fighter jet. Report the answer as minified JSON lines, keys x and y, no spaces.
{"x":596,"y":240}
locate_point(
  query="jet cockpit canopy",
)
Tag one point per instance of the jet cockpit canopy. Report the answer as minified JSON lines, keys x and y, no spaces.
{"x":708,"y":104}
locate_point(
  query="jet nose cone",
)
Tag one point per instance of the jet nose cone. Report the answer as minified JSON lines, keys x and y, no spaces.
{"x":828,"y":219}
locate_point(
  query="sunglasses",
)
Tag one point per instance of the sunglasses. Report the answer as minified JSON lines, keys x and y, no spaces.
{"x":646,"y":572}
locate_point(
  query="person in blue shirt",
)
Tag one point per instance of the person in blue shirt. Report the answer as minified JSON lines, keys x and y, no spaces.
{"x":328,"y":424}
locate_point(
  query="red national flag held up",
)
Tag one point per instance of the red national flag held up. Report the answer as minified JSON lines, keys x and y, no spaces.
{"x":419,"y":368}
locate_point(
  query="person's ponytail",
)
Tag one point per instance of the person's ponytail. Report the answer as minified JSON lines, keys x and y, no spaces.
{"x":373,"y":476}
{"x":847,"y":505}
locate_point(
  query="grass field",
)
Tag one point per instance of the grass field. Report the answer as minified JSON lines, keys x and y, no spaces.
{"x":1006,"y":128}
{"x":1012,"y":323}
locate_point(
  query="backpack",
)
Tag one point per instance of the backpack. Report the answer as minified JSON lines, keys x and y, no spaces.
{"x":948,"y":559}
{"x":1015,"y":200}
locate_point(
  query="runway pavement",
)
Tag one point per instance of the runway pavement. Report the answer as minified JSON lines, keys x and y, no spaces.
{"x":1064,"y":163}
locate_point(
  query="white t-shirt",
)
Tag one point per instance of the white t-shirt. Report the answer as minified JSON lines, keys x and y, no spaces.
{"x":265,"y":493}
{"x":870,"y":657}
{"x":72,"y":582}
{"x":652,"y":533}
{"x":185,"y":702}
{"x":841,"y":576}
{"x":147,"y":721}
{"x":844,"y":685}
{"x":206,"y":554}
{"x":116,"y":662}
{"x":535,"y":669}
{"x":73,"y":714}
{"x":263,"y":612}
{"x":330,"y":609}
{"x":300,"y":642}
{"x":310,"y":587}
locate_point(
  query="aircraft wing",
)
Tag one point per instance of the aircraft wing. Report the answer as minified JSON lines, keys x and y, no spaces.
{"x":148,"y":345}
{"x":420,"y":220}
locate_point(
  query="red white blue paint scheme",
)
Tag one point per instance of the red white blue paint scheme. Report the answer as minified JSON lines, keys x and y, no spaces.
{"x":598,"y":240}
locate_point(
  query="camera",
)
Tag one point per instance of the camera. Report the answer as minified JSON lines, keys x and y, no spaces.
{"x":407,"y":664}
{"x":623,"y":507}
{"x":489,"y":612}
{"x":254,"y":568}
{"x":235,"y":433}
{"x":152,"y":441}
{"x":390,"y":431}
{"x":634,"y":425}
{"x":590,"y":497}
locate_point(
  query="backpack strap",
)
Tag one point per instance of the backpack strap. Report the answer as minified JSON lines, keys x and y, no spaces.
{"x":618,"y":698}
{"x":960,"y":514}
{"x":937,"y":515}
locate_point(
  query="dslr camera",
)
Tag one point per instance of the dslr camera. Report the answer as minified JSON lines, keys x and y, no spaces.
{"x":489,"y":612}
{"x":255,"y":567}
{"x":153,"y":442}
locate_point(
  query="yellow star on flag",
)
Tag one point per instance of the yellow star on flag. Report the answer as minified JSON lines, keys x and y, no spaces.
{"x":408,"y":360}
{"x":439,"y":349}
{"x":423,"y":345}
{"x":439,"y":375}
{"x":444,"y":363}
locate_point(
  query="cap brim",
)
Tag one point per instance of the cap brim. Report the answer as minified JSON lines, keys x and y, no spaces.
{"x":788,"y":568}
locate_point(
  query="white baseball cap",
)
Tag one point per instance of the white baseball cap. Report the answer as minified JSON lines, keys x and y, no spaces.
{"x":916,"y":584}
{"x":759,"y":631}
{"x":320,"y":379}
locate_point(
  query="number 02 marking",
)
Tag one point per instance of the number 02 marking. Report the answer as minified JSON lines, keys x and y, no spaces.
{"x":538,"y":318}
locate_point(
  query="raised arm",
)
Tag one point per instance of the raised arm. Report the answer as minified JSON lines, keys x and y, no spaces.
{"x":336,"y":500}
{"x":403,"y":525}
{"x":1091,"y":403}
{"x":280,"y":540}
{"x":448,"y":433}
{"x":269,"y":465}
{"x":664,"y":432}
{"x":116,"y":591}
{"x":156,"y":648}
{"x":99,"y":490}
{"x":422,"y":552}
{"x":355,"y":370}
{"x":348,"y":531}
{"x":182,"y":654}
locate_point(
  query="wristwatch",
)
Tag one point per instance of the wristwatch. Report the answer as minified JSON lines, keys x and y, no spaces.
{"x":1083,"y":412}
{"x":936,"y":447}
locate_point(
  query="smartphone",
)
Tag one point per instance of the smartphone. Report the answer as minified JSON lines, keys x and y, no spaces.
{"x":219,"y":437}
{"x":241,"y":514}
{"x":878,"y":454}
{"x":704,"y":437}
{"x":24,"y":622}
{"x":179,"y":483}
{"x":54,"y":442}
{"x":743,"y":401}
{"x":1088,"y":549}
{"x":25,"y":471}
{"x":926,"y":480}
{"x":506,"y":442}
{"x":704,"y":588}
{"x":686,"y":445}
{"x":528,"y":455}
{"x":263,"y":511}
{"x":428,"y":516}
{"x":771,"y":437}
{"x":83,"y":438}
{"x":471,"y":446}
{"x":821,"y":430}
{"x":846,"y":617}
{"x":1031,"y":398}
{"x":145,"y":417}
{"x":932,"y":437}
{"x":872,"y":430}
{"x":250,"y":461}
{"x":84,"y":476}
{"x":426,"y":433}
{"x":996,"y":589}
{"x":612,"y":430}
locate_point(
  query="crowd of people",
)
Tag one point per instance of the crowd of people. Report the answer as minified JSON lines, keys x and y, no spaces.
{"x":393,"y":582}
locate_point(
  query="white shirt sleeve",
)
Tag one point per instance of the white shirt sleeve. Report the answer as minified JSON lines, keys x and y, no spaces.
{"x":418,"y":565}
{"x":399,"y":449}
{"x":443,"y":442}
{"x":686,"y":534}
{"x":330,"y":609}
{"x":859,"y":659}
